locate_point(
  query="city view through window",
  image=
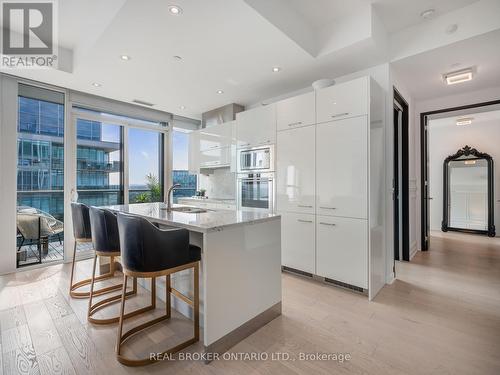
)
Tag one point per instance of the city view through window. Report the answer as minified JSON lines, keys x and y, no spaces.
{"x":100,"y":169}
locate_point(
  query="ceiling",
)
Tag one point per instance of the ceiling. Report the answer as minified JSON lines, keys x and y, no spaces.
{"x":231,"y":46}
{"x":479,"y":118}
{"x":422,"y":73}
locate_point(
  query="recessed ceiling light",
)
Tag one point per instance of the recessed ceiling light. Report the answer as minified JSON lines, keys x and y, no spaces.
{"x":177,"y":57}
{"x":276,"y":69}
{"x":182,"y":107}
{"x":464,"y":121}
{"x":175,"y":10}
{"x":428,"y":13}
{"x":458,"y":76}
{"x":95,"y":84}
{"x":220,"y":92}
{"x":125,"y":57}
{"x":451,"y":28}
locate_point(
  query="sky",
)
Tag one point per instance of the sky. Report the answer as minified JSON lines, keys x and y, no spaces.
{"x":143,"y":152}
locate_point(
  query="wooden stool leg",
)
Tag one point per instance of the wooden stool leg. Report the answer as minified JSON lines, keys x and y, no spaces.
{"x":72,"y":268}
{"x":92,"y":287}
{"x":153,"y":292}
{"x":167,"y":297}
{"x":122,"y":313}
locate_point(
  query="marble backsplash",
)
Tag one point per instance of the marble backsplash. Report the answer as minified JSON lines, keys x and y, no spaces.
{"x":219,"y":184}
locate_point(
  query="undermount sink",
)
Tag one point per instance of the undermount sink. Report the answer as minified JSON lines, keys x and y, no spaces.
{"x":190,"y":210}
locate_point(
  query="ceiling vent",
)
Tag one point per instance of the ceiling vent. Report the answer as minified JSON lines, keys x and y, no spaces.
{"x":142,"y":102}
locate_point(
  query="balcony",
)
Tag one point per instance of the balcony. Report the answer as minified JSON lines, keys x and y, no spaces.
{"x":109,"y":167}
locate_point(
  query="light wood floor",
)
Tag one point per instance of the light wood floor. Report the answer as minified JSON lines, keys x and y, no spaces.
{"x":441,"y":316}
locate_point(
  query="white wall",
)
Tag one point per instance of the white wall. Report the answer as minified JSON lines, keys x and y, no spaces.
{"x":8,"y":168}
{"x":445,"y":141}
{"x":479,"y":96}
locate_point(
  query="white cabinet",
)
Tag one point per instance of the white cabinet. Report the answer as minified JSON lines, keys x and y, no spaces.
{"x":217,"y":136}
{"x":344,"y":100}
{"x":297,"y":242}
{"x":342,"y":168}
{"x":297,"y":111}
{"x":295,"y":172}
{"x":342,"y":250}
{"x":215,"y":157}
{"x":256,"y":127}
{"x":194,"y":152}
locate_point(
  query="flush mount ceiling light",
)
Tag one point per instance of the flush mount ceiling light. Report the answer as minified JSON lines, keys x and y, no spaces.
{"x":182,"y":107}
{"x":428,"y":13}
{"x":220,"y":92}
{"x":125,"y":57}
{"x":464,"y":121}
{"x":95,"y":84}
{"x":175,"y":10}
{"x":458,"y":76}
{"x":276,"y":69}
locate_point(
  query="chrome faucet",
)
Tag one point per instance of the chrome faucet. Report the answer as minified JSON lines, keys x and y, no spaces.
{"x":169,"y":196}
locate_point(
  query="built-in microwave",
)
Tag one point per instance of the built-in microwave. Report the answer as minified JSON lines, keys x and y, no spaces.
{"x":256,"y":159}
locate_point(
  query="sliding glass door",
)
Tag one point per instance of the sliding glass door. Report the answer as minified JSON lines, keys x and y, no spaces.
{"x":40,"y":175}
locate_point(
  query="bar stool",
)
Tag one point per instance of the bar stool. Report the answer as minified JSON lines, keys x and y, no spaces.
{"x":107,"y":244}
{"x":149,"y":252}
{"x":83,"y":234}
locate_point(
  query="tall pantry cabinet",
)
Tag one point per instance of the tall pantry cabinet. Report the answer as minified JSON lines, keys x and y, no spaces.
{"x":330,"y":184}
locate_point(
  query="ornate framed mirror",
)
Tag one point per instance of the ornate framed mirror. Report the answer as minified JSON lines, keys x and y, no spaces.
{"x":468,"y":192}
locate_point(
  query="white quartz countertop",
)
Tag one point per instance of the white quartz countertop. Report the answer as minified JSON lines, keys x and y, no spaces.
{"x":197,"y":222}
{"x":209,"y":200}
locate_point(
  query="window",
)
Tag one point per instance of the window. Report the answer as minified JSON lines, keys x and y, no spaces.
{"x":145,"y":155}
{"x":180,"y":173}
{"x":40,"y":175}
{"x":99,"y":169}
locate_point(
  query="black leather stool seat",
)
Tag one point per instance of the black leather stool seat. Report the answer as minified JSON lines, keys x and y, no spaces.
{"x":82,"y":234}
{"x":150,"y":252}
{"x":146,"y":248}
{"x":106,"y":243}
{"x":105,"y":236}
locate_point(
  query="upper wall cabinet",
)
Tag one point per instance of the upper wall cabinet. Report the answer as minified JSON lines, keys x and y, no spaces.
{"x":217,"y":136}
{"x":256,"y":127}
{"x":297,"y":111}
{"x":343,"y":100}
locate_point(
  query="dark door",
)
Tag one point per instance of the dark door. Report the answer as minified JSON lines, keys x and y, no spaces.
{"x":395,"y":182}
{"x":425,"y":184}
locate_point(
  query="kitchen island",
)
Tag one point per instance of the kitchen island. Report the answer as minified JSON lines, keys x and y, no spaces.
{"x":240,"y":274}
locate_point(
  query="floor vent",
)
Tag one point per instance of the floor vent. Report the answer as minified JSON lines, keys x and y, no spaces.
{"x":344,"y":285}
{"x":297,"y":272}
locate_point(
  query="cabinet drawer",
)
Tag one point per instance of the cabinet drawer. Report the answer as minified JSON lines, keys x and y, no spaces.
{"x":344,"y":100}
{"x":342,"y":168}
{"x":297,"y":111}
{"x":342,"y":249}
{"x":298,"y":241}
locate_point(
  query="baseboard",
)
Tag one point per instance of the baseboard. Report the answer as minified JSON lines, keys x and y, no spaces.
{"x":413,"y":249}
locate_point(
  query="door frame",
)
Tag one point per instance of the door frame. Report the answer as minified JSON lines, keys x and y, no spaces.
{"x":424,"y":201}
{"x":404,"y":183}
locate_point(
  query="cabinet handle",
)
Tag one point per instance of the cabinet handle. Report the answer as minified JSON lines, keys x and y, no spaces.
{"x":340,"y":114}
{"x":295,"y":123}
{"x":304,"y":221}
{"x":304,"y":206}
{"x":328,"y":208}
{"x":329,"y":224}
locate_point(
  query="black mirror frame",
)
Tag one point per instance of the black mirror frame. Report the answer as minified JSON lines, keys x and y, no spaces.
{"x":468,"y":151}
